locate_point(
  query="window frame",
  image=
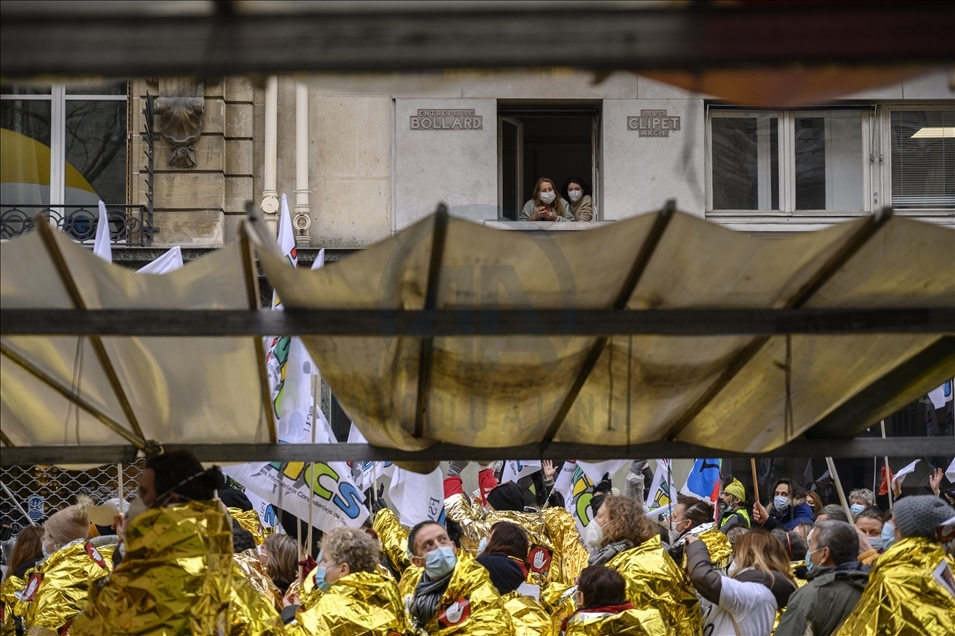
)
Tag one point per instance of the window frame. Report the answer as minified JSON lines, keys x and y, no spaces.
{"x":786,"y":129}
{"x":885,"y":158}
{"x":58,"y":97}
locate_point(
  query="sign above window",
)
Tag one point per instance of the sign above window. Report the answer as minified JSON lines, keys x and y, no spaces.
{"x":653,"y":123}
{"x":462,"y":119}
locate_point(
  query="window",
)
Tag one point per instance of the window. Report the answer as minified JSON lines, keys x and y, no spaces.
{"x":923,"y":159}
{"x":788,"y":161}
{"x":63,"y":146}
{"x":535,"y":142}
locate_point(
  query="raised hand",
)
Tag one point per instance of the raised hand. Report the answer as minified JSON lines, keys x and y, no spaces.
{"x":760,"y":515}
{"x":549,"y":471}
{"x":935,"y":479}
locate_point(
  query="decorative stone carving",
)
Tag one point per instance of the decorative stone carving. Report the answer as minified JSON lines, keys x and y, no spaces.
{"x":180,"y":107}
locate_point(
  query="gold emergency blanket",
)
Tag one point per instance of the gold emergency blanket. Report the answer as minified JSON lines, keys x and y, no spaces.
{"x":8,"y":600}
{"x":361,"y":603}
{"x":634,"y":622}
{"x":249,"y":520}
{"x":394,"y":540}
{"x":64,"y":580}
{"x":556,"y":553}
{"x":655,"y":581}
{"x":527,"y":615}
{"x":719,"y":547}
{"x":903,"y":596}
{"x":250,"y":612}
{"x":175,"y":578}
{"x":248,"y":562}
{"x":470,"y":605}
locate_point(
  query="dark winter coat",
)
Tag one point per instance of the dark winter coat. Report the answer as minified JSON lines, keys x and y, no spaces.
{"x":825,"y":601}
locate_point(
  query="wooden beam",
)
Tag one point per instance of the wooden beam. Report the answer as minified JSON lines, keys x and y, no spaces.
{"x":73,"y":291}
{"x":867,"y":447}
{"x":918,"y":375}
{"x":821,"y":276}
{"x":252,"y":297}
{"x":620,"y":302}
{"x":464,"y":322}
{"x":123,"y":41}
{"x":439,"y":235}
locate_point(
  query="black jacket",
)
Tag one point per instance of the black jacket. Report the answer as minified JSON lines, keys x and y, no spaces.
{"x":825,"y":601}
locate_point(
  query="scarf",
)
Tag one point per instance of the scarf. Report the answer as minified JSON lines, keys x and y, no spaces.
{"x":609,"y":551}
{"x":427,"y":597}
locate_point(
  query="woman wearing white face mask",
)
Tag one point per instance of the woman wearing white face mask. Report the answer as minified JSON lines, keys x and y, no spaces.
{"x":581,"y":204}
{"x":626,"y":541}
{"x":545,"y":204}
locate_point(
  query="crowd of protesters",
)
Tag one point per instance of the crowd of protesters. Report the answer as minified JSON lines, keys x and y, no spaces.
{"x":190,"y":556}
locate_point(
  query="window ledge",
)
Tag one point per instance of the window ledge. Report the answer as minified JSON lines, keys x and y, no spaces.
{"x":545,"y":226}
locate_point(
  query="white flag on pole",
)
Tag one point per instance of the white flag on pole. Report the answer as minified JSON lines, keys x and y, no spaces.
{"x":102,"y":246}
{"x":596,"y":470}
{"x":942,"y":395}
{"x":660,"y":494}
{"x":168,"y":262}
{"x":900,"y":476}
{"x":514,"y":469}
{"x":950,"y":472}
{"x":578,"y":491}
{"x":417,"y":497}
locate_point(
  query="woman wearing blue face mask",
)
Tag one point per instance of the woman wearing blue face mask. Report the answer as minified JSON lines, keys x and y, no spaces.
{"x":870,"y":523}
{"x":859,"y":500}
{"x":448,"y":594}
{"x":355,"y":596}
{"x":787,"y":511}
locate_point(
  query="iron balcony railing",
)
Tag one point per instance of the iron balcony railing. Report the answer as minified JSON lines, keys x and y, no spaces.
{"x":129,"y":225}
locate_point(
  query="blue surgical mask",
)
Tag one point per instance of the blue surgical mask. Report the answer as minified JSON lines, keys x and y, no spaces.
{"x":876,"y":543}
{"x":482,"y":546}
{"x":320,"y":581}
{"x":888,"y":536}
{"x":46,"y":553}
{"x":810,"y":566}
{"x":781,"y":503}
{"x":856,"y":509}
{"x":440,"y":562}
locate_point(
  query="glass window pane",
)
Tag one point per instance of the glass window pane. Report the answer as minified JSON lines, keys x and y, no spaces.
{"x":24,"y":90}
{"x":24,"y":154}
{"x":923,"y":159}
{"x":745,"y":162}
{"x":828,"y":162}
{"x":98,"y":88}
{"x":95,"y":152}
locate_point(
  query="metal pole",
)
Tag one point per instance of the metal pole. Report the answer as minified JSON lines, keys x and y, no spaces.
{"x":17,"y":503}
{"x":888,"y":474}
{"x":835,"y":478}
{"x":119,"y":486}
{"x":311,"y":495}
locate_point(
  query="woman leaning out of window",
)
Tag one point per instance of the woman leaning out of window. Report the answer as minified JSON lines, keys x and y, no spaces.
{"x":545,"y":204}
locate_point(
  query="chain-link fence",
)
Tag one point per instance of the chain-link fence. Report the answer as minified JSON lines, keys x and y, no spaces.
{"x":43,"y":490}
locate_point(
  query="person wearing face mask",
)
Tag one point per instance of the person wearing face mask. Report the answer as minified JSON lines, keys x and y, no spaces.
{"x":356,"y":597}
{"x":732,"y":507}
{"x":758,"y":584}
{"x":786,"y":511}
{"x":71,"y":563}
{"x":836,"y":581}
{"x":446,"y":594}
{"x":624,"y":540}
{"x":909,"y":590}
{"x":545,"y":204}
{"x":870,"y":523}
{"x":177,"y":571}
{"x":694,"y":517}
{"x":581,"y":203}
{"x":859,"y":500}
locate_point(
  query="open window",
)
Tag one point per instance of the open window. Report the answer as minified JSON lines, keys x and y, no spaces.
{"x":535,"y":142}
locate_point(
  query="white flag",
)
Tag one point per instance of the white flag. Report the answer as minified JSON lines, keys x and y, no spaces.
{"x":168,"y":262}
{"x":102,"y":246}
{"x":900,"y":476}
{"x":950,"y":472}
{"x":417,"y":497}
{"x":514,"y":469}
{"x":596,"y":470}
{"x":942,"y":395}
{"x":578,"y":491}
{"x":660,"y":494}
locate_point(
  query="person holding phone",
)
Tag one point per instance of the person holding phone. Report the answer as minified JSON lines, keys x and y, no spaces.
{"x":546,"y":204}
